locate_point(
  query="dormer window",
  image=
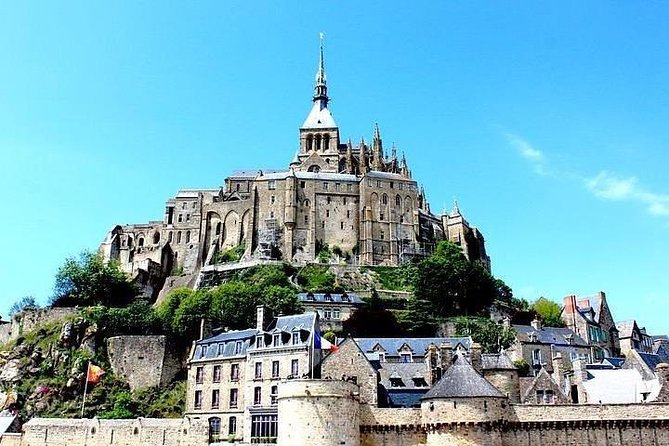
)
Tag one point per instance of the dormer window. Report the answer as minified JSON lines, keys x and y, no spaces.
{"x":238,"y":347}
{"x":396,"y":382}
{"x":419,"y":381}
{"x":344,"y":298}
{"x":328,"y":297}
{"x":296,"y":337}
{"x":382,"y":357}
{"x":259,"y":342}
{"x":405,"y":357}
{"x":204,"y":351}
{"x":221,"y":348}
{"x":276,"y":340}
{"x":310,"y":297}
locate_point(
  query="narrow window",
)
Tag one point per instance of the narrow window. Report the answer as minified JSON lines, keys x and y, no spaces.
{"x":306,"y":219}
{"x":325,"y":186}
{"x":187,"y":236}
{"x":234,"y":372}
{"x":274,"y":394}
{"x":271,"y":184}
{"x":215,"y":398}
{"x":187,"y":217}
{"x":302,"y":184}
{"x":275,"y":369}
{"x":198,"y":399}
{"x":181,"y":218}
{"x":199,"y":375}
{"x":232,"y":425}
{"x":272,"y":199}
{"x":258,"y":370}
{"x":217,"y":374}
{"x":295,"y":367}
{"x":257,"y":396}
{"x":234,"y":394}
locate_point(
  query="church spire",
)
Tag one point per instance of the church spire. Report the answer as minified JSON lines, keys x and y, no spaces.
{"x":321,"y":89}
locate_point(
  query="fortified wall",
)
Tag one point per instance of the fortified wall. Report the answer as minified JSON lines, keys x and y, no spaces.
{"x":143,"y":361}
{"x":28,"y":320}
{"x":328,"y":413}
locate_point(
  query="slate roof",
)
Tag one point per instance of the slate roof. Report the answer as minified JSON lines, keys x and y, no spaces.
{"x":418,"y":345}
{"x":549,"y":335}
{"x":404,"y":372}
{"x":496,"y":361}
{"x":652,"y":359}
{"x":251,"y":173}
{"x":224,"y":344}
{"x":405,"y":397}
{"x":461,"y":381}
{"x":319,"y":117}
{"x":336,"y":298}
{"x":305,"y":321}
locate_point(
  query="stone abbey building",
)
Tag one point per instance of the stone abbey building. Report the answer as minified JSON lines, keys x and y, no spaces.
{"x":356,"y":197}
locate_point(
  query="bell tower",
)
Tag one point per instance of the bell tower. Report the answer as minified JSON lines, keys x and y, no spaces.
{"x":319,"y":134}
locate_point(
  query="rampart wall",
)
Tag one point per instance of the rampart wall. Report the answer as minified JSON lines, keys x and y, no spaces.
{"x":95,"y":432}
{"x":28,"y":320}
{"x":143,"y":361}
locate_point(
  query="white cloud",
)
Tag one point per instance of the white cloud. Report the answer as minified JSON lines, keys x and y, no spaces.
{"x":533,"y":155}
{"x":609,"y":186}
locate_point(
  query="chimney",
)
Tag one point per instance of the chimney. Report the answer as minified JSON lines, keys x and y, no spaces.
{"x":446,"y":354}
{"x":475,"y":356}
{"x":558,"y":371}
{"x":536,"y":324}
{"x":506,"y":322}
{"x":580,"y":373}
{"x":260,"y":317}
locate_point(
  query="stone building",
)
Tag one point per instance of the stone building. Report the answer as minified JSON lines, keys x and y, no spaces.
{"x":633,"y":337}
{"x":332,"y":308}
{"x":591,"y":319}
{"x":233,"y":376}
{"x":359,"y":198}
{"x":538,"y":345}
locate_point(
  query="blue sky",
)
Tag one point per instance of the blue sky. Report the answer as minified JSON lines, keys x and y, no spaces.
{"x":546,"y":120}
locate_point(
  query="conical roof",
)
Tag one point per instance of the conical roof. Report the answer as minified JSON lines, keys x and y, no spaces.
{"x":461,"y":381}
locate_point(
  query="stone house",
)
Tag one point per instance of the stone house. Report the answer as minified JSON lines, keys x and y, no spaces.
{"x":538,"y":345}
{"x":633,"y":337}
{"x":591,"y":319}
{"x":233,"y":376}
{"x":332,"y":308}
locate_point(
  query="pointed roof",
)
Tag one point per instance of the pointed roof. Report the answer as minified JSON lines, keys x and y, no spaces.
{"x":319,"y":117}
{"x":461,"y":380}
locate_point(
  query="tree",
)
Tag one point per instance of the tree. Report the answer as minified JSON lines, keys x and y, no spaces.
{"x":372,"y":320}
{"x":492,"y":337}
{"x":453,"y":284}
{"x":549,"y":312}
{"x":89,"y":280}
{"x":418,"y":319}
{"x":25,"y":303}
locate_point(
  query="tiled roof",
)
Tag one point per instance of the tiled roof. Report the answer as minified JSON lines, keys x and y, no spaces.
{"x":461,"y":381}
{"x":418,"y":345}
{"x":334,"y":298}
{"x":549,"y":335}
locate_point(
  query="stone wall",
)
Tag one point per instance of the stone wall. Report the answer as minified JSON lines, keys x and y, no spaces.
{"x":95,"y":432}
{"x":28,"y":320}
{"x":143,"y":361}
{"x":351,"y":362}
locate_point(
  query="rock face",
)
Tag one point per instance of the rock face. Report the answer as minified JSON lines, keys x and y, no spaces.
{"x":11,"y":371}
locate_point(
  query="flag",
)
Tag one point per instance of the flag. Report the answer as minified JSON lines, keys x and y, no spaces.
{"x":323,"y":344}
{"x":94,"y":374}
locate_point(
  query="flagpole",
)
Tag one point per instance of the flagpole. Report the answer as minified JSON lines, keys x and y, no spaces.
{"x":83,"y":402}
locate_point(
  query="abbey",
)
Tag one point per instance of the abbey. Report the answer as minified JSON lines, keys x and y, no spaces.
{"x":357,"y":200}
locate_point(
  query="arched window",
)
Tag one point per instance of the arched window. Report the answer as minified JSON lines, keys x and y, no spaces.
{"x":314,"y":168}
{"x":170,"y":237}
{"x":384,"y":199}
{"x":306,"y":203}
{"x":318,"y":143}
{"x":178,"y":237}
{"x":140,"y":242}
{"x":156,"y":237}
{"x":398,"y":201}
{"x":310,"y":142}
{"x":214,"y":429}
{"x":187,"y":236}
{"x":326,"y":142}
{"x":218,"y":228}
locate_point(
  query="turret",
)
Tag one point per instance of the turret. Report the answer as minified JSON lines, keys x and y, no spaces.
{"x":377,"y":150}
